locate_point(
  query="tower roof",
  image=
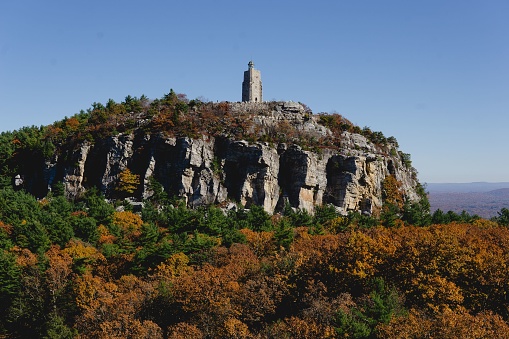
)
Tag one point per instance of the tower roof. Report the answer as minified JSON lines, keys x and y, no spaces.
{"x":251,"y":64}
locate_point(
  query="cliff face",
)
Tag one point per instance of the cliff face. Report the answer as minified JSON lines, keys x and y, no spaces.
{"x":214,"y":170}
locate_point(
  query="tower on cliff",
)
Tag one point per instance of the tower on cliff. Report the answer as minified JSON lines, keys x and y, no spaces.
{"x":252,"y":84}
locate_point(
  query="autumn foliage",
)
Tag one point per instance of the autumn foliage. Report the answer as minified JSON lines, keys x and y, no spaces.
{"x":171,"y":272}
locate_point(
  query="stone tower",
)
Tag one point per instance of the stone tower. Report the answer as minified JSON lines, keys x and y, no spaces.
{"x":252,"y":85}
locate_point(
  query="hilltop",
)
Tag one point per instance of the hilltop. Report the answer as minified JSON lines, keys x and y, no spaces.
{"x":268,"y":154}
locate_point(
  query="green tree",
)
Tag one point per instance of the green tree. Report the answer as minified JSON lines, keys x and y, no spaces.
{"x":367,"y":221}
{"x":32,"y":235}
{"x":150,"y":213}
{"x":438,"y":217}
{"x":257,"y":219}
{"x":57,"y":329}
{"x":352,"y":325}
{"x":147,"y":255}
{"x":382,"y":304}
{"x":59,"y":229}
{"x":54,"y":216}
{"x":25,"y":317}
{"x":214,"y":222}
{"x":132,"y":104}
{"x":181,"y":219}
{"x":503,"y":217}
{"x":389,"y":215}
{"x":325,"y":213}
{"x":299,"y":217}
{"x":17,"y":206}
{"x":149,"y":235}
{"x":159,"y":196}
{"x":417,"y":213}
{"x":85,"y":228}
{"x":7,"y":149}
{"x":98,"y":207}
{"x":9,"y":281}
{"x":58,"y":189}
{"x":284,"y":233}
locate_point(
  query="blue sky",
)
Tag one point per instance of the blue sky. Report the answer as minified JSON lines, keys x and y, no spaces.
{"x":434,"y":74}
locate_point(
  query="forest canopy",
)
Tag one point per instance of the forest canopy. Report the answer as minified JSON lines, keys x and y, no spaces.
{"x":93,"y":268}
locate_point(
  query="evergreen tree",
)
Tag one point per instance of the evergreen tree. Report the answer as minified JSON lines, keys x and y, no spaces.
{"x":9,"y":281}
{"x":381,"y":306}
{"x":284,"y":233}
{"x":503,"y":217}
{"x":98,"y":207}
{"x":258,"y":220}
{"x":325,"y":213}
{"x":85,"y":228}
{"x":57,"y":329}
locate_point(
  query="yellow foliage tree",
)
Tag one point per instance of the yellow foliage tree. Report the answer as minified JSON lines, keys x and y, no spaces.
{"x":130,"y":223}
{"x":83,"y":253}
{"x":128,"y":182}
{"x":105,"y":237}
{"x":392,"y":192}
{"x":174,"y":266}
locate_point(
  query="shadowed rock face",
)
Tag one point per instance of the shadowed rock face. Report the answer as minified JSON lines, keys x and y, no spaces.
{"x":341,"y":173}
{"x":209,"y":170}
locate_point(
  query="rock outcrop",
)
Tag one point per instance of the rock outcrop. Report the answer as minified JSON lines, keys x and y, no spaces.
{"x":214,"y":170}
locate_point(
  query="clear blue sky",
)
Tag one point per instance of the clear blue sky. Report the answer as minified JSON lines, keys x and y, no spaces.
{"x":434,"y":74}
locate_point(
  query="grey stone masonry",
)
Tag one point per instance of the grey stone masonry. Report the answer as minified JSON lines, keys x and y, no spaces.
{"x":252,"y":85}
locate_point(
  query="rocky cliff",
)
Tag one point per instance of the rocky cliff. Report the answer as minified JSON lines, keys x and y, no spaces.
{"x":340,"y":168}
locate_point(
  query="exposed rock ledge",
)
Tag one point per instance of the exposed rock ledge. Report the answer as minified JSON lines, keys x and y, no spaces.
{"x":211,"y":170}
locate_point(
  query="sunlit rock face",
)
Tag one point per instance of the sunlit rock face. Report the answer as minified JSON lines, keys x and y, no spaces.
{"x":214,"y":170}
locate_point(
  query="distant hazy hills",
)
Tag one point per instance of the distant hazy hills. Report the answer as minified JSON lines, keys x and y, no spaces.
{"x":466,"y":187}
{"x":482,"y":198}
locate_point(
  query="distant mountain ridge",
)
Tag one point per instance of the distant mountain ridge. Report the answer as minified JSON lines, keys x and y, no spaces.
{"x":465,"y":187}
{"x":482,"y":198}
